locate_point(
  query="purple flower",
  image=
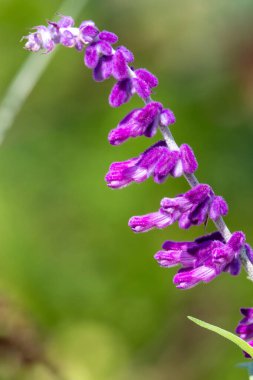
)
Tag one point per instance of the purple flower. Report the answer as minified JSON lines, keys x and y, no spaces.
{"x":157,"y":161}
{"x":140,"y":121}
{"x":203,"y":259}
{"x":115,"y":65}
{"x":167,"y":118}
{"x":61,"y":32}
{"x":40,"y":40}
{"x":94,"y":51}
{"x":192,"y":208}
{"x":245,"y":327}
{"x":140,"y":81}
{"x":100,"y":47}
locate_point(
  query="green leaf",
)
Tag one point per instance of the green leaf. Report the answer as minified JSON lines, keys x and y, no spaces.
{"x":226,"y":334}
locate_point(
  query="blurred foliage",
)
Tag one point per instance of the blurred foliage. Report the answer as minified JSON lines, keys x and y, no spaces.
{"x":98,"y":304}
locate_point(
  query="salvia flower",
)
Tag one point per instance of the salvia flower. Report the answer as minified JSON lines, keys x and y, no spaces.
{"x":245,"y":327}
{"x":115,"y":65}
{"x":139,"y":81}
{"x":191,"y":208}
{"x":157,"y":161}
{"x":61,"y":32}
{"x":99,"y":48}
{"x":203,"y":259}
{"x":141,"y":121}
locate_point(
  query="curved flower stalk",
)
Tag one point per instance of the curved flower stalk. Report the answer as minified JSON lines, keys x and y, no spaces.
{"x":206,"y":257}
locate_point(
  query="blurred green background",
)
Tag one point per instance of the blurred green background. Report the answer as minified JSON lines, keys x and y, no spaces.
{"x":76,"y":285}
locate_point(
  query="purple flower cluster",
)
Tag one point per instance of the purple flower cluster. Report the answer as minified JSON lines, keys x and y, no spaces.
{"x":206,"y":257}
{"x":141,"y":122}
{"x":99,"y":56}
{"x":203,"y":259}
{"x":191,"y":208}
{"x":245,"y":327}
{"x":157,"y":161}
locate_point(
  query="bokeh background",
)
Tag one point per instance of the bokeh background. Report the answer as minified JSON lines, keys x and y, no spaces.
{"x":81,"y":297}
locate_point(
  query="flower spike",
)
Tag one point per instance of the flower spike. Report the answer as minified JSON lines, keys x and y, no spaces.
{"x":206,"y":257}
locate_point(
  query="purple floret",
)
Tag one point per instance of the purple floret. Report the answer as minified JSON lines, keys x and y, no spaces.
{"x":203,"y":259}
{"x":157,"y":161}
{"x":140,"y":81}
{"x":140,"y":121}
{"x":190,"y":208}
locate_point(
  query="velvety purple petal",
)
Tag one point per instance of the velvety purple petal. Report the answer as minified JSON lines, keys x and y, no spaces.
{"x":49,"y":46}
{"x":147,"y":222}
{"x":199,"y":213}
{"x":190,"y":278}
{"x":103,"y":70}
{"x":87,"y":22}
{"x":198,"y":193}
{"x":245,"y":331}
{"x":149,"y":112}
{"x":175,"y":203}
{"x":218,"y":208}
{"x":148,"y":118}
{"x":108,"y":37}
{"x":249,"y":252}
{"x":136,"y":123}
{"x":141,"y":88}
{"x":118,"y":135}
{"x":121,"y":93}
{"x":184,"y":222}
{"x":210,"y":237}
{"x":137,"y":169}
{"x":129,"y":57}
{"x":165,"y":165}
{"x":167,"y":260}
{"x":88,"y":33}
{"x":147,"y":77}
{"x":178,"y":202}
{"x":234,"y":267}
{"x":175,"y":245}
{"x":32,"y":43}
{"x":247,"y":312}
{"x":150,"y":157}
{"x":79,"y":45}
{"x":104,"y":48}
{"x":188,"y":158}
{"x":120,"y":67}
{"x":237,"y":241}
{"x":91,"y":57}
{"x":66,"y":22}
{"x":120,"y":173}
{"x":152,"y":128}
{"x":128,"y":127}
{"x":167,"y":118}
{"x":174,"y":257}
{"x":67,"y":39}
{"x":221,"y":256}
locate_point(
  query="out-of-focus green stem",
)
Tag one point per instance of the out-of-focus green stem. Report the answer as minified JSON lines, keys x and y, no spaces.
{"x":28,"y":76}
